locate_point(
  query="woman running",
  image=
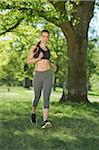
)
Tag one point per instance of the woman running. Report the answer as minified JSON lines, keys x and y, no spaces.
{"x":40,"y":55}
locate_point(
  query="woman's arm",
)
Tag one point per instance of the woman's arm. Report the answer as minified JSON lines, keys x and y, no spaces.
{"x":30,"y":59}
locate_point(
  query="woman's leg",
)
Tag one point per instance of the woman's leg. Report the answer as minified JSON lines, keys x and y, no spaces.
{"x":37,"y":84}
{"x":45,"y":114}
{"x":47,"y":85}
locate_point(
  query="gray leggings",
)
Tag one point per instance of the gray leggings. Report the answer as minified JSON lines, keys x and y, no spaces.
{"x":42,"y":81}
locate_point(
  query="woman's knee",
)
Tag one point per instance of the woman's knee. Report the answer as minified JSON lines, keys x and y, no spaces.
{"x":46,"y":106}
{"x":35,"y":102}
{"x":46,"y":102}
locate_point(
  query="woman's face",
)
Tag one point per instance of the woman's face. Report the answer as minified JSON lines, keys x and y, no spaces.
{"x":44,"y":37}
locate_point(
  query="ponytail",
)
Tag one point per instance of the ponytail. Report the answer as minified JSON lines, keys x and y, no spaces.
{"x":37,"y":46}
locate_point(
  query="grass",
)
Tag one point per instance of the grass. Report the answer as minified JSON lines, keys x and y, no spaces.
{"x":74,"y":126}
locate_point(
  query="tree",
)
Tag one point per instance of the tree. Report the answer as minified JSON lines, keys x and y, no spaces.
{"x":14,"y":53}
{"x":73,"y":17}
{"x":76,"y":33}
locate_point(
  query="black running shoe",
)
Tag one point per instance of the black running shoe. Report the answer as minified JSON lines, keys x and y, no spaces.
{"x":46,"y":124}
{"x":33,"y":118}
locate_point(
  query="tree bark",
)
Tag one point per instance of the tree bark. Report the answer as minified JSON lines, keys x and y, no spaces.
{"x":26,"y":83}
{"x":75,"y":88}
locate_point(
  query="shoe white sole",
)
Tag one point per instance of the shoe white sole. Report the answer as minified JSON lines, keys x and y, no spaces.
{"x":47,"y":125}
{"x":32,"y":122}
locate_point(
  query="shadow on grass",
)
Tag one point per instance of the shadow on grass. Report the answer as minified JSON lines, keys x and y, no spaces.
{"x":86,"y":106}
{"x":66,"y":133}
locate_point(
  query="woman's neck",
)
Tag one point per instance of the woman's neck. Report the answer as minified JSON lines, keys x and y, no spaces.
{"x":43,"y":45}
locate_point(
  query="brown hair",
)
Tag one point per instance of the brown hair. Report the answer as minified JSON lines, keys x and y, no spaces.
{"x":40,"y":41}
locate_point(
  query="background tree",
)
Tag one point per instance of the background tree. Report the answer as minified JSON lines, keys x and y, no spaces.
{"x":91,"y":60}
{"x":19,"y":43}
{"x":73,"y":17}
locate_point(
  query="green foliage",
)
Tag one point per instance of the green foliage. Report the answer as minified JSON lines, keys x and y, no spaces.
{"x":93,"y":64}
{"x":21,"y":40}
{"x":22,"y":19}
{"x":12,"y":66}
{"x":13,"y":12}
{"x":13,"y":53}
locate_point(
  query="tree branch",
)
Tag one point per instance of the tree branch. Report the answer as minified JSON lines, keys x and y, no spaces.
{"x":85,"y":13}
{"x":13,"y":27}
{"x":59,"y":5}
{"x":33,"y":11}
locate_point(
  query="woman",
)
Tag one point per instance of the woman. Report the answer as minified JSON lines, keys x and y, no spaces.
{"x":40,"y":55}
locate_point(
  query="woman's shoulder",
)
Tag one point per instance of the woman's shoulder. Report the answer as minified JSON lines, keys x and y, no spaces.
{"x":48,"y":48}
{"x":33,"y":47}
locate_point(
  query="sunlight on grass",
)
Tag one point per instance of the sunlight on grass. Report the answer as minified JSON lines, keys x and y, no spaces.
{"x":75,"y":126}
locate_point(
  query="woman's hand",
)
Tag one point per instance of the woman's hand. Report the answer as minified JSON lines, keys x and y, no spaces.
{"x":53,"y":66}
{"x":30,"y":59}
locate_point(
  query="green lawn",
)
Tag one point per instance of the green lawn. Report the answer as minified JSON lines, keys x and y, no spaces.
{"x":74,"y":126}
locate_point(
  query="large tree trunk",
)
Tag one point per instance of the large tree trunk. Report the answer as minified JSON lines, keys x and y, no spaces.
{"x":75,"y":88}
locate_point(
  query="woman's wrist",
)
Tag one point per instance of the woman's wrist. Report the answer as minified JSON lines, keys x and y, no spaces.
{"x":38,"y":59}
